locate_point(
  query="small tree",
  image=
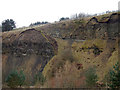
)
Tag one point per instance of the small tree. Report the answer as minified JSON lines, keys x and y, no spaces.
{"x":91,"y":77}
{"x":15,"y":79}
{"x":114,"y":77}
{"x":8,"y":25}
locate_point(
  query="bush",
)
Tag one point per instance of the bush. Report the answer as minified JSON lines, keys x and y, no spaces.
{"x":22,"y":78}
{"x":61,"y":19}
{"x":91,"y":77}
{"x":114,"y":77}
{"x":39,"y":78}
{"x":8,"y":25}
{"x":15,"y":79}
{"x":67,"y":55}
{"x":38,"y":23}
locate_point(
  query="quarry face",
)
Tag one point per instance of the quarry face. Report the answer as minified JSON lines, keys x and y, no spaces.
{"x":29,"y":50}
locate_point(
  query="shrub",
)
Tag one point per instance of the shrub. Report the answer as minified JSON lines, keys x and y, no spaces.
{"x":91,"y":77}
{"x":8,"y":25}
{"x":22,"y":78}
{"x":38,"y":23}
{"x":39,"y":78}
{"x":96,"y":50}
{"x":67,"y":55}
{"x":15,"y":79}
{"x":114,"y":77}
{"x":61,"y":19}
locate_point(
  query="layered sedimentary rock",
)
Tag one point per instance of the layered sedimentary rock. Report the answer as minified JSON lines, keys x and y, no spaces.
{"x":28,"y":50}
{"x":104,"y":28}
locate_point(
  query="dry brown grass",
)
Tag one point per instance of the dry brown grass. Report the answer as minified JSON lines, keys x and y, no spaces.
{"x":66,"y":73}
{"x":103,"y":62}
{"x":67,"y":77}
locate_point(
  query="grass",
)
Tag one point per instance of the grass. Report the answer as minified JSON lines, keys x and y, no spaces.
{"x":86,"y":58}
{"x":104,"y":17}
{"x":102,"y":62}
{"x":57,"y":61}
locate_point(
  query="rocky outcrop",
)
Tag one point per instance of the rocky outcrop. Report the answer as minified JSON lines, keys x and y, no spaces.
{"x":28,"y":50}
{"x":103,"y":28}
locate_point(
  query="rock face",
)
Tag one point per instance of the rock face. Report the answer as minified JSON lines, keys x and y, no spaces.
{"x":28,"y":50}
{"x":104,"y":28}
{"x":97,"y":27}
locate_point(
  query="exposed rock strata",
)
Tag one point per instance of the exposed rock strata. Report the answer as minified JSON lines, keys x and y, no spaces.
{"x":28,"y":50}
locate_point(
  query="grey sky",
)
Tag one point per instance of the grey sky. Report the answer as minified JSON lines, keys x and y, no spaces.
{"x":119,"y":5}
{"x":24,"y":12}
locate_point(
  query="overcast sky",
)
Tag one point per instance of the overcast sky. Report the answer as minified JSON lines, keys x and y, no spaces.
{"x":24,"y":12}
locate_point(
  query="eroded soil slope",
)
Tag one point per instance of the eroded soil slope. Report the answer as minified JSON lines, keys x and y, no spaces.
{"x":28,"y":50}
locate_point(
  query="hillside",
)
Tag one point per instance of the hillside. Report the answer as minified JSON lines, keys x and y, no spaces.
{"x":85,"y":28}
{"x":91,"y":42}
{"x":63,"y":51}
{"x":28,"y":50}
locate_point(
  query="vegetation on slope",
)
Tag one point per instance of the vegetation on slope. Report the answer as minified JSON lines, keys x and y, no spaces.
{"x":83,"y":57}
{"x":28,"y":50}
{"x":82,"y":44}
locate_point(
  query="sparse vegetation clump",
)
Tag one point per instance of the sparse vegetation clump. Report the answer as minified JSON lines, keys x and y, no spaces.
{"x":8,"y":25}
{"x":61,"y":19}
{"x":38,"y":23}
{"x":114,"y":77}
{"x":39,"y":78}
{"x":91,"y":77}
{"x":15,"y":79}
